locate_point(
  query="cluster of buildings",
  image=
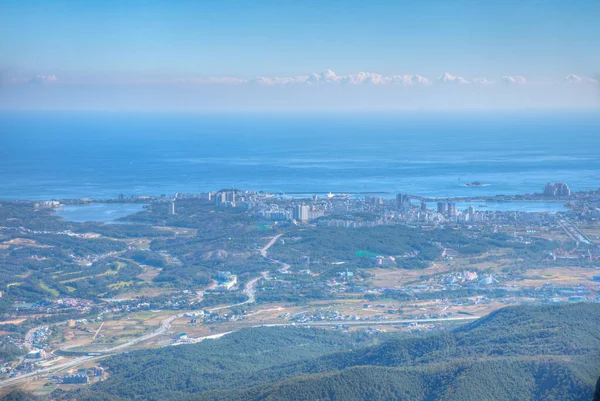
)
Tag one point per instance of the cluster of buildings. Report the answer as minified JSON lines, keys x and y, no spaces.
{"x":226,"y":281}
{"x":557,"y":190}
{"x":77,"y":378}
{"x":370,"y":211}
{"x":37,"y":340}
{"x":36,"y":354}
{"x":327,"y":316}
{"x":299,"y":212}
{"x":446,"y":209}
{"x":350,"y":211}
{"x":226,"y":198}
{"x":47,"y":203}
{"x":82,"y":376}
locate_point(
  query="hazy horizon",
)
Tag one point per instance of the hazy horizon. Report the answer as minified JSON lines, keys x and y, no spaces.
{"x":337,"y":56}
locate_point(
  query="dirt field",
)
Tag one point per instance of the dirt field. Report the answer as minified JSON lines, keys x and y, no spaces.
{"x":567,"y":276}
{"x":149,"y":273}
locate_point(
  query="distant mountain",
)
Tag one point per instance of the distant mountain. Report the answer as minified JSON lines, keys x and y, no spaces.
{"x":517,"y":353}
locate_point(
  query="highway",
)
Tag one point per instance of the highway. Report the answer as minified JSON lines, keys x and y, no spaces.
{"x":165,"y":325}
{"x":370,"y":322}
{"x":162,"y":329}
{"x":573,"y":231}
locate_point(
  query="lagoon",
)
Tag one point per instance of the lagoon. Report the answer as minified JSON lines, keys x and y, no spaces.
{"x":513,"y":206}
{"x":102,"y":212}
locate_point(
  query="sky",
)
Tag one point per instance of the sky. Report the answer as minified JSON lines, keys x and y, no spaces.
{"x":299,"y":55}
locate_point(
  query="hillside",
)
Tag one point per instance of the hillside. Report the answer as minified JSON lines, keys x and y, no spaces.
{"x":517,"y":353}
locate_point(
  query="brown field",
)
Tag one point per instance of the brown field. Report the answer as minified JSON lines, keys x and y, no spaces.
{"x":557,"y":234}
{"x":113,"y":332}
{"x":592,"y":232}
{"x":27,"y":273}
{"x":145,"y":292}
{"x":14,"y":321}
{"x":149,"y":273}
{"x":183,"y":325}
{"x":177,"y":230}
{"x":394,"y":277}
{"x":25,"y":242}
{"x":559,"y":276}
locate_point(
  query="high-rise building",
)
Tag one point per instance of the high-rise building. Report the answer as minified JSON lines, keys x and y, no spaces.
{"x":451,"y":209}
{"x":441,"y":208}
{"x":403,"y":202}
{"x":402,"y":199}
{"x":172,"y":207}
{"x":220,"y":198}
{"x":301,"y":213}
{"x":557,"y":189}
{"x":315,"y":214}
{"x":374,"y":200}
{"x":206,"y":196}
{"x":471,"y":210}
{"x":423,"y":206}
{"x":562,"y":189}
{"x":549,"y":190}
{"x":230,"y":196}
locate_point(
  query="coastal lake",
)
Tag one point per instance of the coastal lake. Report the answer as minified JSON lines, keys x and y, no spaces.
{"x":103,"y":212}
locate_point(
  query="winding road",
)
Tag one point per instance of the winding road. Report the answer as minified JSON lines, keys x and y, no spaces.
{"x":165,"y":325}
{"x":285,"y":268}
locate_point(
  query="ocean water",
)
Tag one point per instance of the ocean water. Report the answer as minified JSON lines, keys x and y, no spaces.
{"x":47,"y":155}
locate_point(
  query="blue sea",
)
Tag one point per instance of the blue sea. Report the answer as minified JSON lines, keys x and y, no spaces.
{"x":46,"y":155}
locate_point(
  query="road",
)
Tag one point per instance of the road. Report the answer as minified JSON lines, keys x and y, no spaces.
{"x":265,"y":248}
{"x":573,"y":231}
{"x":200,"y":339}
{"x":98,"y":331}
{"x":163,"y":328}
{"x":165,"y":325}
{"x":200,"y":293}
{"x":370,"y":322}
{"x":249,"y":290}
{"x":285,"y":268}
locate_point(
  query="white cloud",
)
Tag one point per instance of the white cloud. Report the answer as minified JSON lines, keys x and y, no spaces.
{"x":418,"y":79}
{"x":575,"y":79}
{"x":517,"y":79}
{"x":43,"y":79}
{"x":279,"y":81}
{"x":482,"y":81}
{"x":448,"y":78}
{"x":378,"y":79}
{"x":363,"y":78}
{"x":327,"y":77}
{"x":330,"y":77}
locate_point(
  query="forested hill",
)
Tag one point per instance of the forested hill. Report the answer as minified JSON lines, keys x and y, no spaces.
{"x":517,"y":353}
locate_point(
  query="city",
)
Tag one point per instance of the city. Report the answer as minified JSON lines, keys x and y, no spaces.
{"x":299,"y":200}
{"x":339,"y":261}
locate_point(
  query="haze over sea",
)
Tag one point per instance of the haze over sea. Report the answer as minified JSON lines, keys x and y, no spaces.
{"x":54,"y":155}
